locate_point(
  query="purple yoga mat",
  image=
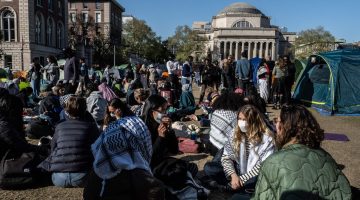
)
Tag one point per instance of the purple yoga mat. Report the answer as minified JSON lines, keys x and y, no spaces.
{"x":336,"y":137}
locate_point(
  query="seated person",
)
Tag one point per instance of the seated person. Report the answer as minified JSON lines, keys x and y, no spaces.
{"x":12,"y":135}
{"x":140,"y":96}
{"x":95,"y":103}
{"x":70,"y":159}
{"x":163,"y":137}
{"x":252,"y":143}
{"x":24,"y":95}
{"x":115,"y":111}
{"x":127,"y":173}
{"x":301,"y":169}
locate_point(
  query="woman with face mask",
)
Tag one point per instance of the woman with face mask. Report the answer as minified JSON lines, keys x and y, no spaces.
{"x":252,"y":143}
{"x":116,"y":110}
{"x":163,"y":137}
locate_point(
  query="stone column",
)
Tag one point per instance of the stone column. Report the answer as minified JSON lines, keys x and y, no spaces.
{"x":261,"y":50}
{"x":231,"y":48}
{"x":255,"y":49}
{"x":267,"y":49}
{"x":273,"y":53}
{"x":249,"y":49}
{"x":237,"y":50}
{"x":242,"y":46}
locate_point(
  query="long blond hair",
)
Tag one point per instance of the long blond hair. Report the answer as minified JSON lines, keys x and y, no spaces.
{"x":256,"y":127}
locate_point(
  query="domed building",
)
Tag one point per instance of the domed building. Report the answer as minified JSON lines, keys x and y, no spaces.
{"x":242,"y":27}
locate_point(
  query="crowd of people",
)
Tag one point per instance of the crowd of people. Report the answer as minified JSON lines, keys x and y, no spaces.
{"x":114,"y":135}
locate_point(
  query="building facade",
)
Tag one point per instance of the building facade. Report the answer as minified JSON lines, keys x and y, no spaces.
{"x":106,"y":15}
{"x":32,"y":29}
{"x":242,"y":27}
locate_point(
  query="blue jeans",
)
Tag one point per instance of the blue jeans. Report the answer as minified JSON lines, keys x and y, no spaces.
{"x":69,"y":179}
{"x":186,"y":81}
{"x":35,"y":84}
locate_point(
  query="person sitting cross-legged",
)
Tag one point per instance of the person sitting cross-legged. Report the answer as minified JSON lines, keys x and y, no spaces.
{"x":70,"y":159}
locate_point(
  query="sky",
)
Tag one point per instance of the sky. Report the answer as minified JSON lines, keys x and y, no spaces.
{"x":339,"y":17}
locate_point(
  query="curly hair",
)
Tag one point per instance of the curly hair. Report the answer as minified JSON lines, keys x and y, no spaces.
{"x":256,"y":127}
{"x":297,"y":122}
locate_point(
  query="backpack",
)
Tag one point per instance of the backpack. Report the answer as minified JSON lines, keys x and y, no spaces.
{"x":178,"y":180}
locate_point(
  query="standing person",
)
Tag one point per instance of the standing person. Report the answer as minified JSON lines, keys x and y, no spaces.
{"x":71,"y":70}
{"x":170,"y":66}
{"x":278,"y":83}
{"x":35,"y":77}
{"x":111,"y":74}
{"x":263,"y":76}
{"x":84,"y":70}
{"x":52,"y":70}
{"x":271,"y":65}
{"x":70,"y":159}
{"x":252,"y":143}
{"x":289,"y":78}
{"x":229,"y":73}
{"x":301,"y":169}
{"x":242,"y":72}
{"x":187,"y":72}
{"x":208,"y":78}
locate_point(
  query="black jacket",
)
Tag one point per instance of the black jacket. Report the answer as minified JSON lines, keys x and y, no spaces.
{"x":71,"y":147}
{"x":162,"y":147}
{"x":13,"y":139}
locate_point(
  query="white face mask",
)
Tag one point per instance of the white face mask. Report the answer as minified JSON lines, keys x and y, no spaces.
{"x":159,"y":116}
{"x":112,"y":115}
{"x":242,"y":125}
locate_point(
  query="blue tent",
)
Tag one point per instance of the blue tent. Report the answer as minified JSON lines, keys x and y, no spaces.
{"x":332,"y":82}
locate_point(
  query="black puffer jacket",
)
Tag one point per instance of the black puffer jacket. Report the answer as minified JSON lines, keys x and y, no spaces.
{"x":70,"y":147}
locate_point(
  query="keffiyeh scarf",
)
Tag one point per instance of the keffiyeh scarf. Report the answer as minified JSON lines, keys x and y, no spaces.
{"x":125,"y":145}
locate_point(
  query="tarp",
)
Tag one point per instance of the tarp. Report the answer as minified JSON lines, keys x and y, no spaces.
{"x":332,"y":83}
{"x":254,"y":63}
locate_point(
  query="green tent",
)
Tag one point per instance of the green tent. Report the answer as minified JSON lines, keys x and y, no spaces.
{"x":331,"y":83}
{"x":300,"y":66}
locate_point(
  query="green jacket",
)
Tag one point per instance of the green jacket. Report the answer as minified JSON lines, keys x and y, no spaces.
{"x":298,"y":172}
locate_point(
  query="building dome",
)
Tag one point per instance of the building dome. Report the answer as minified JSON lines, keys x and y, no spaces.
{"x":240,"y":8}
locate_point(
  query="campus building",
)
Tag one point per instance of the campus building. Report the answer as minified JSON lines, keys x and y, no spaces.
{"x":241,"y":27}
{"x":106,"y":17}
{"x":31,"y":29}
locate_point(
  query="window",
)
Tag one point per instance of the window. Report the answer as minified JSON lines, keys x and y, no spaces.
{"x":287,"y":38}
{"x":39,"y":2}
{"x":50,"y":30}
{"x":60,"y":10}
{"x":8,"y":25}
{"x":97,"y":4}
{"x":242,"y":24}
{"x":8,"y":61}
{"x":97,"y":17}
{"x":73,"y":17}
{"x":85,"y":17}
{"x":85,"y":5}
{"x":50,"y":5}
{"x":38,"y":27}
{"x":59,"y":36}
